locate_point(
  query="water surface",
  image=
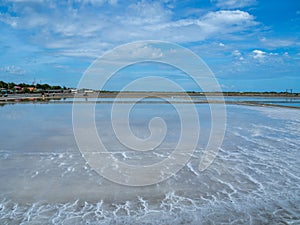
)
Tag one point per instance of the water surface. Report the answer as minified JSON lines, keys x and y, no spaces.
{"x":253,"y":180}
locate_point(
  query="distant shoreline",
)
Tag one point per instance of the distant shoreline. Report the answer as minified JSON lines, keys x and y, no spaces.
{"x":97,"y":94}
{"x":124,"y":97}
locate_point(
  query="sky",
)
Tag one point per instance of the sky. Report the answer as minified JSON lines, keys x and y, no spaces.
{"x":249,"y":45}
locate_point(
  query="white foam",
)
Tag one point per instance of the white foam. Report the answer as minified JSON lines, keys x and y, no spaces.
{"x":189,"y":165}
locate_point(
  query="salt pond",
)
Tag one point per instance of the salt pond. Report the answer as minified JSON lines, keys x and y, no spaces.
{"x":253,"y":180}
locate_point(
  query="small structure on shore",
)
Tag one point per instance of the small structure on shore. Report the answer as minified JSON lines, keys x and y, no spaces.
{"x":31,"y":89}
{"x":18,"y":88}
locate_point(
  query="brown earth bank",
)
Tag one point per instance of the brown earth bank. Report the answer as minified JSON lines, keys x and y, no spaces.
{"x":114,"y":94}
{"x":176,"y":97}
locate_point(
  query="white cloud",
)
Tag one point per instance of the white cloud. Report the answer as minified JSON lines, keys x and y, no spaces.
{"x":238,"y":54}
{"x":233,"y":4}
{"x":5,"y":18}
{"x":143,"y":13}
{"x":257,"y":63}
{"x":213,"y":23}
{"x":138,"y":51}
{"x":258,"y":54}
{"x":97,"y":2}
{"x":13,"y":70}
{"x":269,"y":60}
{"x":25,"y":1}
{"x":74,"y":32}
{"x":278,"y":43}
{"x":92,"y":2}
{"x":229,"y":17}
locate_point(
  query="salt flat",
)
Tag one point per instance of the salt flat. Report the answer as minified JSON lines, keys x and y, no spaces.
{"x":253,"y":180}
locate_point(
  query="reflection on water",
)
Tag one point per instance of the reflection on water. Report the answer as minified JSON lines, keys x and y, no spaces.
{"x":254,"y":179}
{"x":281,"y":101}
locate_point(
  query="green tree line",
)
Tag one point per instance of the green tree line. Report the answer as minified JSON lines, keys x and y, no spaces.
{"x":11,"y":85}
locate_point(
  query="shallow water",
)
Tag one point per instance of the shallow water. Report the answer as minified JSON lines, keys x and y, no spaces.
{"x":253,"y":180}
{"x":281,"y":101}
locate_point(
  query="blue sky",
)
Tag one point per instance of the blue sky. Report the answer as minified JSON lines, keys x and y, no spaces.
{"x":250,"y":45}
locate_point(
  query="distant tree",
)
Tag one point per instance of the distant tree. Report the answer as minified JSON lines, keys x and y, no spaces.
{"x":3,"y":84}
{"x":43,"y":86}
{"x":26,"y":90}
{"x":56,"y":87}
{"x":23,"y":85}
{"x":11,"y":85}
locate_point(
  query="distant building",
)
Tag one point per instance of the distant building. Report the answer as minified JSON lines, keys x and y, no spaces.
{"x":31,"y":89}
{"x":17,"y":88}
{"x":3,"y":92}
